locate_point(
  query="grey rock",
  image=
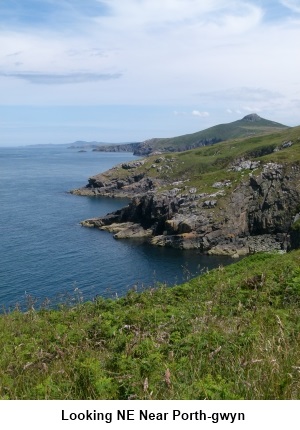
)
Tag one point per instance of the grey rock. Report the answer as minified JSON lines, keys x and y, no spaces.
{"x":222,"y":184}
{"x":287,"y":144}
{"x":245,"y":165}
{"x":296,"y":218}
{"x":132,"y":164}
{"x":256,"y":215}
{"x":209,"y":204}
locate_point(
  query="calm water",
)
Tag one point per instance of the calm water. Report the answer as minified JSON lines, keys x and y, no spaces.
{"x":45,"y":253}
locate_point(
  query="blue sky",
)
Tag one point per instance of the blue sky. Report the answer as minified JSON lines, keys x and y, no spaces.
{"x":129,"y":70}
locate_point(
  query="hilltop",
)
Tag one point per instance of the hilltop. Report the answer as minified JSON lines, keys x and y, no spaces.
{"x":250,"y":125}
{"x":235,"y":197}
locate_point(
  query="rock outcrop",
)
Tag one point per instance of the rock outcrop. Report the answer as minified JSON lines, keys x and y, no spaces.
{"x":256,"y":214}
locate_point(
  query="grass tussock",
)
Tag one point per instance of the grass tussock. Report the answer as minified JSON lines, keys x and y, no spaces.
{"x":233,"y":333}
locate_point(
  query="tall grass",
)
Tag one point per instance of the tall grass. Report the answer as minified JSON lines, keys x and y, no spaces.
{"x":232,"y":333}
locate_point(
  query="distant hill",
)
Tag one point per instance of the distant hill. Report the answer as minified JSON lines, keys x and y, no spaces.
{"x":82,"y":144}
{"x":104,"y":146}
{"x":250,"y":125}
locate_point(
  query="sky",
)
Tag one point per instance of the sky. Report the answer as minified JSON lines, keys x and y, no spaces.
{"x":130,"y":70}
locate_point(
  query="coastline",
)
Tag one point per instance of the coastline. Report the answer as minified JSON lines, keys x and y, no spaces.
{"x":236,"y":219}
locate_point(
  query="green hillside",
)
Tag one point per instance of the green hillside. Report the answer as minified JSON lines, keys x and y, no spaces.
{"x":205,"y":165}
{"x":232,"y":333}
{"x":250,"y":125}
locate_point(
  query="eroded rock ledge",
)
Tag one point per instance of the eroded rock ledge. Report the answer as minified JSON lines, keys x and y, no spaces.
{"x":254,"y":215}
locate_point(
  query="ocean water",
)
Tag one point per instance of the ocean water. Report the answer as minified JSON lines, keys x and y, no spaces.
{"x":45,"y":254}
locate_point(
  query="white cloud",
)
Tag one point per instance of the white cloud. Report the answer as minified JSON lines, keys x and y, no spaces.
{"x":294,"y":5}
{"x":222,"y":55}
{"x":140,"y":13}
{"x":200,"y":114}
{"x":60,"y":79}
{"x":153,"y":43}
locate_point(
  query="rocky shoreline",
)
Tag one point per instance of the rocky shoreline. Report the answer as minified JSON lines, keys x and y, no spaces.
{"x":253,"y":215}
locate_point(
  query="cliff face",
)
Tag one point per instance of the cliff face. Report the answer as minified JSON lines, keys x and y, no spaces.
{"x":124,"y":147}
{"x":235,"y":197}
{"x":256,"y":215}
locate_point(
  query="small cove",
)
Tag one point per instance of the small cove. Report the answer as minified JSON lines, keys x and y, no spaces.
{"x":46,"y":254}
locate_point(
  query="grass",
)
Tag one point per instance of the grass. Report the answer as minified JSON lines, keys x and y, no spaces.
{"x":202,"y":167}
{"x":221,"y":132}
{"x":232,"y":333}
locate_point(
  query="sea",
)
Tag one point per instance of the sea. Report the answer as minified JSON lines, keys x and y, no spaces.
{"x":48,"y":259}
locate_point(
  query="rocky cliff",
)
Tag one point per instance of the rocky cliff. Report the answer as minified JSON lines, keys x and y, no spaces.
{"x":252,"y":207}
{"x":122,"y":147}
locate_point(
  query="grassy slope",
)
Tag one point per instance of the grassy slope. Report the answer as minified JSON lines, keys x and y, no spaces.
{"x":232,"y":333}
{"x":206,"y":165}
{"x":233,"y":130}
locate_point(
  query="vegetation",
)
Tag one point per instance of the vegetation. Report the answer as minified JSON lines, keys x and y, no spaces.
{"x":296,"y":225}
{"x":249,"y":126}
{"x":202,"y":167}
{"x":232,"y":333}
